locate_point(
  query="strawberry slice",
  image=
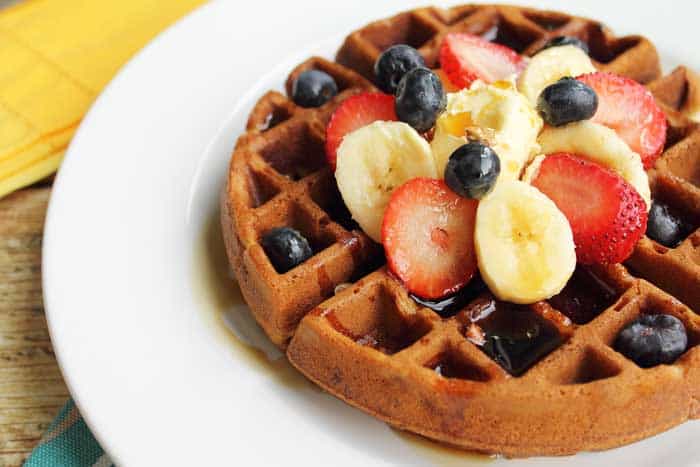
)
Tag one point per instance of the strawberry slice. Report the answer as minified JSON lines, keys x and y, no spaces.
{"x":606,"y":213}
{"x":353,"y":113}
{"x":629,"y":108}
{"x":446,"y":83}
{"x":466,"y":58}
{"x":428,"y":236}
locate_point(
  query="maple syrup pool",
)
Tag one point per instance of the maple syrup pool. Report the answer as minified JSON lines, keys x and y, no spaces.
{"x":224,"y":310}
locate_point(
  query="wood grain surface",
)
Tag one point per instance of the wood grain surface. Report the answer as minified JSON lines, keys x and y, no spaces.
{"x":31,"y":387}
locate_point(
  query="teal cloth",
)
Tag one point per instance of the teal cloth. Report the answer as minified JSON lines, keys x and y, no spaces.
{"x":68,"y":442}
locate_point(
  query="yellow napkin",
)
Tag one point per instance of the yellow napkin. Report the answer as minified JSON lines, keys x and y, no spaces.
{"x":55,"y":57}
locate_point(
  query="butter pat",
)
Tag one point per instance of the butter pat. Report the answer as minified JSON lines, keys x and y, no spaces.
{"x":495,"y":114}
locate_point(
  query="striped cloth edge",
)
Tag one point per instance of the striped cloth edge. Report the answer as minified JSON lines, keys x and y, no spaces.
{"x":68,"y":442}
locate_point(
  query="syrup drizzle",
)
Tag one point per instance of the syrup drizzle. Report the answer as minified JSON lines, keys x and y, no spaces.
{"x":514,"y":336}
{"x":225,"y":312}
{"x":324,"y":282}
{"x":223,"y":307}
{"x":451,"y":305}
{"x":443,"y":455}
{"x":584,"y":297}
{"x":352,"y":243}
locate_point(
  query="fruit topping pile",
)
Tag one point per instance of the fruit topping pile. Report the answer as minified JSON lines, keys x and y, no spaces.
{"x":498,"y":171}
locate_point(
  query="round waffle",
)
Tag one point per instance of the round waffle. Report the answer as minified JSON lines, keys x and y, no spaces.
{"x":378,"y":349}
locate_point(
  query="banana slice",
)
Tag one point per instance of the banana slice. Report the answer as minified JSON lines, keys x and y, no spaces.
{"x":532,"y":169}
{"x":599,"y":144}
{"x":494,"y":114}
{"x":549,"y":66}
{"x":372,"y":162}
{"x":524,"y":244}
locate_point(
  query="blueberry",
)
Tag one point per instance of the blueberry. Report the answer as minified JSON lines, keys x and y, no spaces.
{"x":472,"y":170}
{"x":393,"y":64}
{"x":566,"y":40}
{"x":665,"y":226}
{"x":651,"y":340}
{"x":286,"y":248}
{"x":420,"y":98}
{"x":568,"y":100}
{"x":313,"y":88}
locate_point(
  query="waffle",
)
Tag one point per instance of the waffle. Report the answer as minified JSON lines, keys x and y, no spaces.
{"x":675,"y":180}
{"x":350,"y":326}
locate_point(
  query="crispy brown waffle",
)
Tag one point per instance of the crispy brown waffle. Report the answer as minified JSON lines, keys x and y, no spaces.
{"x":675,"y":180}
{"x":524,"y":29}
{"x":373,"y":346}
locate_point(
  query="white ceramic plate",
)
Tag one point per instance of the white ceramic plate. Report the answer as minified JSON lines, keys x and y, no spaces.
{"x":152,"y":337}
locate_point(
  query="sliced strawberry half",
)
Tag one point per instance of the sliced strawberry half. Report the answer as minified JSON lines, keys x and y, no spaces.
{"x":355,"y":112}
{"x":629,"y":108}
{"x":446,"y":83}
{"x":607,"y":215}
{"x":428,"y":236}
{"x":466,"y":58}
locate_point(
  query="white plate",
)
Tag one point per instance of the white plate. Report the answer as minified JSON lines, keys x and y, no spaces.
{"x":135,"y":276}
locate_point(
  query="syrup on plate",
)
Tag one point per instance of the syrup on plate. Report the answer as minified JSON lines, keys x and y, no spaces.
{"x":228,"y":314}
{"x":443,"y":455}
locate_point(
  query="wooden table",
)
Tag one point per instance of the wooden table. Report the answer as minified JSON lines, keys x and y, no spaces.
{"x":31,"y":387}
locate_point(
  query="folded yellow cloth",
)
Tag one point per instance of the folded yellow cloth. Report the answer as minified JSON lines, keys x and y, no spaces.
{"x":55,"y":57}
